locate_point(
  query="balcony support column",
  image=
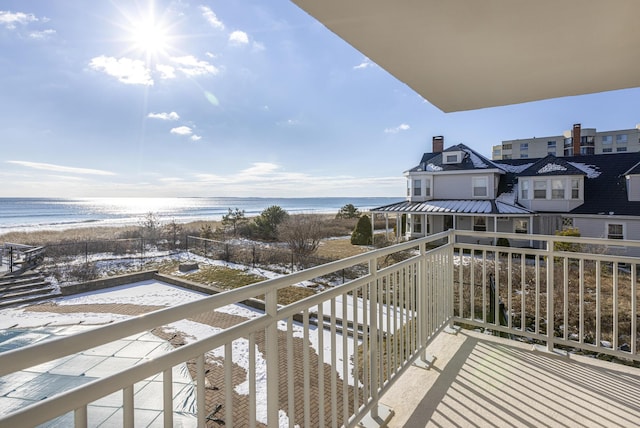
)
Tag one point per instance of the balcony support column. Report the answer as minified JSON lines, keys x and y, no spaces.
{"x":425,"y":361}
{"x":550,"y":289}
{"x":271,"y":336}
{"x":379,"y":415}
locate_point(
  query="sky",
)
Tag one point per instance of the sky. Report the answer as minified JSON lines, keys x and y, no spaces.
{"x":226,"y":98}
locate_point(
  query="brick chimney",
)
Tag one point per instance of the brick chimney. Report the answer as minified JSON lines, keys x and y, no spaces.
{"x":575,"y":136}
{"x":438,"y":144}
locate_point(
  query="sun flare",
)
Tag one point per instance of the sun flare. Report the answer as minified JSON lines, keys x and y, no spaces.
{"x":150,"y":37}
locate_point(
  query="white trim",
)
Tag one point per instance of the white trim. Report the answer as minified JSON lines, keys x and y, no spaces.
{"x":486,"y":186}
{"x":613,"y":223}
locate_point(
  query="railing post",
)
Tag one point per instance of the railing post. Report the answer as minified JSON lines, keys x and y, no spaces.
{"x":422,"y":304}
{"x":550,"y":289}
{"x":271,"y":336}
{"x":373,"y":334}
{"x":379,"y":415}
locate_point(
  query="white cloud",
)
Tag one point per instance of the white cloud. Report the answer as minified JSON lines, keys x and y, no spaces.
{"x":260,"y":168}
{"x":366,"y":62}
{"x":10,"y":19}
{"x":181,"y":130}
{"x":60,"y":168}
{"x":401,"y":127}
{"x":164,"y":116}
{"x":211,"y":17}
{"x":126,"y":70}
{"x":195,"y":137}
{"x":258,"y":47}
{"x":192,"y":66}
{"x":269,"y":179}
{"x":238,"y":38}
{"x":42,"y":35}
{"x":166,"y":71}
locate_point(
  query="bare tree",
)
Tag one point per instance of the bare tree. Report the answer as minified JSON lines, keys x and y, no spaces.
{"x":173,"y":232}
{"x":150,"y":226}
{"x":302,"y":233}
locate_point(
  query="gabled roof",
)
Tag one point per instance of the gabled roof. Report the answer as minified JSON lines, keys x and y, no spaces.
{"x":605,"y":189}
{"x":550,"y":165}
{"x":471,"y":160}
{"x":457,"y":206}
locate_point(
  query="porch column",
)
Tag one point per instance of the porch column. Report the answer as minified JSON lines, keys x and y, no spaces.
{"x":495,"y":229}
{"x":530,"y":230}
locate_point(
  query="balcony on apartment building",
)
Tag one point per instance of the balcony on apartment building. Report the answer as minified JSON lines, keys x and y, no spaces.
{"x":430,"y":332}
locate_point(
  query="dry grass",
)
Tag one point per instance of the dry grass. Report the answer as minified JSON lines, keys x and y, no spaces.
{"x":567,"y":289}
{"x":340,"y":248}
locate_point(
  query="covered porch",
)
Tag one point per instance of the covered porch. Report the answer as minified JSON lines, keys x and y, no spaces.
{"x":419,"y":219}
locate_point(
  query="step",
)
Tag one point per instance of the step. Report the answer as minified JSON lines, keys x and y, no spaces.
{"x":26,"y":300}
{"x":24,"y":286}
{"x":11,"y":278}
{"x":28,"y":292}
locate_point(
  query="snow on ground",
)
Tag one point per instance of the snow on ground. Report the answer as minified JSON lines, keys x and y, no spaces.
{"x":156,"y":293}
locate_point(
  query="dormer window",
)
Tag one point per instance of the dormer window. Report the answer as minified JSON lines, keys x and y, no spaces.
{"x":450,"y":158}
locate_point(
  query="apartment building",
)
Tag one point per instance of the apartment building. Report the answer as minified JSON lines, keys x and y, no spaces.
{"x":575,"y":142}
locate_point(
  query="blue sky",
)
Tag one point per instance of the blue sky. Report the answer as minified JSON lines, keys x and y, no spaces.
{"x":226,"y":98}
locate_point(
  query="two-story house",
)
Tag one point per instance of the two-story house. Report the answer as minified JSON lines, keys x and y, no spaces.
{"x":459,"y":188}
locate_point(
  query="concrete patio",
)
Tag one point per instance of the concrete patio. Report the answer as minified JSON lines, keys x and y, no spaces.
{"x":481,"y":380}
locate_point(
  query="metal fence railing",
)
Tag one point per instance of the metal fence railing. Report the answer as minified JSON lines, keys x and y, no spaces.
{"x":401,"y":307}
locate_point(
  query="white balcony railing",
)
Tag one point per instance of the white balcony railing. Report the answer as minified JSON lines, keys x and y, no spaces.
{"x":374,"y":326}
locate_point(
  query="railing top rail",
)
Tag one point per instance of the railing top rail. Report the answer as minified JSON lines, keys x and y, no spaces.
{"x":550,"y":238}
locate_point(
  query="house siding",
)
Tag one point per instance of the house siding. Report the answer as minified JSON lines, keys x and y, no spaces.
{"x":460,"y":186}
{"x":633,"y":187}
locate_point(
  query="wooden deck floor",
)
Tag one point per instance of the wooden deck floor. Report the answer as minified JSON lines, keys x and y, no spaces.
{"x":483,"y":381}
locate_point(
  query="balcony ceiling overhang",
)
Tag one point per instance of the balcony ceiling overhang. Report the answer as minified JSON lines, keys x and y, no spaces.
{"x":470,"y":54}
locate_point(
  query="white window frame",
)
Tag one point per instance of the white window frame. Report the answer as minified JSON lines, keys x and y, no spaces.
{"x":417,"y":190}
{"x":521,"y":225}
{"x":607,"y":139}
{"x":416,"y":224}
{"x":427,"y":187}
{"x":451,"y":158}
{"x":524,"y":190}
{"x":622,"y":138}
{"x":557,"y":189}
{"x":546,"y":186}
{"x":607,"y":231}
{"x":474,"y":186}
{"x":575,"y":190}
{"x":479,"y":226}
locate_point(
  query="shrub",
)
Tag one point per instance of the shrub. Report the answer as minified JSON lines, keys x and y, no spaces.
{"x":362,"y":234}
{"x":266,"y":224}
{"x":348,"y":211}
{"x":503,"y":242}
{"x":567,"y":246}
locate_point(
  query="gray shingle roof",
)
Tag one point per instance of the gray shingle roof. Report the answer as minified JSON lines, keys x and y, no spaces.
{"x":470,"y":161}
{"x":459,"y":206}
{"x":550,"y":165}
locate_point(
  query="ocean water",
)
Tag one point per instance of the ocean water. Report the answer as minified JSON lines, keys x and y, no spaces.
{"x":26,"y":214}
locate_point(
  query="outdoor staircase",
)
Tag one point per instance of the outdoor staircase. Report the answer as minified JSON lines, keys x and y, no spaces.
{"x":21,"y":288}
